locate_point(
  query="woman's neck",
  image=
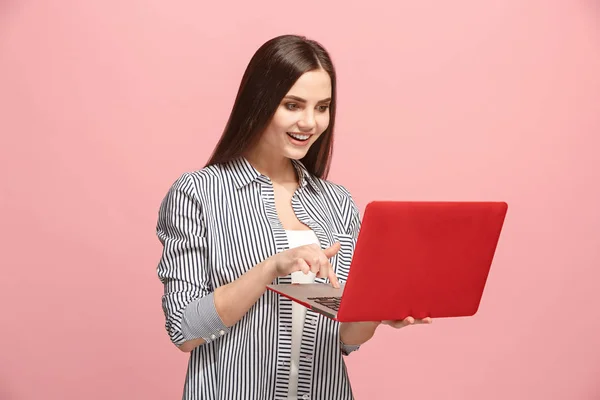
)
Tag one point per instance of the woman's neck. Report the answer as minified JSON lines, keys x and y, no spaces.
{"x":278,"y":168}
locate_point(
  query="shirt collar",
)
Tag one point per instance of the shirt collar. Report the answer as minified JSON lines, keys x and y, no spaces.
{"x":244,"y":173}
{"x":305,"y":177}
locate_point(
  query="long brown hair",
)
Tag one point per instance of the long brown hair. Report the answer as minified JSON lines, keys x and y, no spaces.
{"x":272,"y":71}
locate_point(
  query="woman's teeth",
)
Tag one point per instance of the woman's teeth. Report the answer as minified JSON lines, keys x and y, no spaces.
{"x":299,"y":137}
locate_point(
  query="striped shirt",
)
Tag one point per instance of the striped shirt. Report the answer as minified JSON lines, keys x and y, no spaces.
{"x":217,"y":223}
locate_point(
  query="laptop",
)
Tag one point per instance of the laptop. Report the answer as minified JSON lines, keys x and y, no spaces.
{"x":419,"y":259}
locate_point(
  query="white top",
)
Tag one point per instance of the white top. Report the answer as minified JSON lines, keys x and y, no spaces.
{"x":297,"y":239}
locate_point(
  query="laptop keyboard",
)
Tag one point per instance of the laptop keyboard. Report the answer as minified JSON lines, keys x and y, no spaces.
{"x":329,"y":302}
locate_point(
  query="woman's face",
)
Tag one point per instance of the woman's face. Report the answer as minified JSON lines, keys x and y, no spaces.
{"x":301,"y":117}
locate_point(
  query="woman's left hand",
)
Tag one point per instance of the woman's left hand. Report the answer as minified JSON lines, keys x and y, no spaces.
{"x":406,"y":322}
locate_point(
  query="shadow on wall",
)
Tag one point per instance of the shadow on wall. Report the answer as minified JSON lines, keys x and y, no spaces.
{"x":594,"y":7}
{"x":5,"y":393}
{"x":7,"y":9}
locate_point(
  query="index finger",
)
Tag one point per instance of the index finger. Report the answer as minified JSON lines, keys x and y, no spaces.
{"x":333,"y":278}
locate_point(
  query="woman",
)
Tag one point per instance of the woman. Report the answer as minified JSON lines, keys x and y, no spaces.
{"x":261,"y":211}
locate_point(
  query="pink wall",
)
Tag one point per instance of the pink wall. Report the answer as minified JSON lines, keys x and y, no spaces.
{"x":104,"y":104}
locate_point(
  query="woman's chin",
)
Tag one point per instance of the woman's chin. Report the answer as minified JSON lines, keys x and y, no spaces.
{"x":296,"y":154}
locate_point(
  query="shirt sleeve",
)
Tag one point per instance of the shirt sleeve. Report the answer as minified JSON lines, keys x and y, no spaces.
{"x":347,"y":349}
{"x":187,"y":302}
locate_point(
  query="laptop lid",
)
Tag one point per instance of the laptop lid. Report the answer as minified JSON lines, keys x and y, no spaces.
{"x":423,"y":259}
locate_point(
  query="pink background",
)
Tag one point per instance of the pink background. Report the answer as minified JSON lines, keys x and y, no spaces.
{"x":103,"y":104}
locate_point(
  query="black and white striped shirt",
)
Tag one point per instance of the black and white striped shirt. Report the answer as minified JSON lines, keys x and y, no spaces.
{"x":217,"y":223}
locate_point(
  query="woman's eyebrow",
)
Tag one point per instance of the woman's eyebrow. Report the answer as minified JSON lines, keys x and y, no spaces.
{"x":301,"y":100}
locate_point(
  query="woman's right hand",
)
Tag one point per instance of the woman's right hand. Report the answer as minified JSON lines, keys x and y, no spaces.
{"x":309,"y":258}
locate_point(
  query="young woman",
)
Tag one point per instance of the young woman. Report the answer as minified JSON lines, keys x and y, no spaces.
{"x":262,"y":211}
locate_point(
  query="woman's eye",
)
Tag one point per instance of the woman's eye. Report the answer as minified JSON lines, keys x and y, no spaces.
{"x":291,"y":106}
{"x":323,"y":108}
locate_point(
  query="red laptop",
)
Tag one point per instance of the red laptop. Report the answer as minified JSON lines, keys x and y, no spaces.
{"x":419,"y":259}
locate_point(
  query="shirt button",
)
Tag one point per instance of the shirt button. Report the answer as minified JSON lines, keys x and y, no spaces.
{"x":222,"y":332}
{"x":306,"y":397}
{"x":213,"y":337}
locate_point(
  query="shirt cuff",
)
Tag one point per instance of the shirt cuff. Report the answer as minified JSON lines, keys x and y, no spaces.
{"x":347,"y":348}
{"x":201,"y":320}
